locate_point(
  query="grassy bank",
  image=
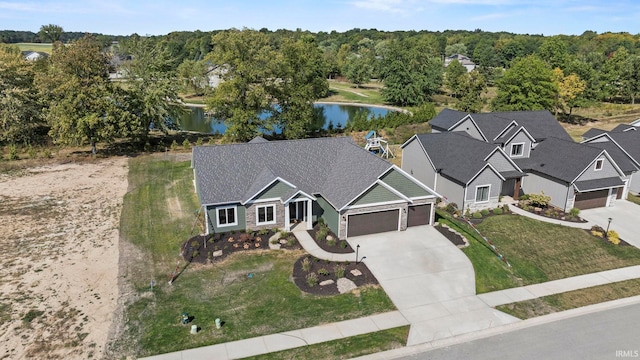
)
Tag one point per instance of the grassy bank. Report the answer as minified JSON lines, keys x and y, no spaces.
{"x":158,"y":215}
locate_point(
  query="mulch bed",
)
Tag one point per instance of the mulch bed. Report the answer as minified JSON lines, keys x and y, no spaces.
{"x":300,"y":276}
{"x":603,"y":238}
{"x":553,"y":213}
{"x":216,"y":247}
{"x":456,"y":239}
{"x":341,"y":246}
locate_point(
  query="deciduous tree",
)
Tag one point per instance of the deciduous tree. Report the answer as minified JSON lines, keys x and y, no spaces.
{"x":50,"y":33}
{"x":527,"y":85}
{"x":471,"y":88}
{"x":454,"y":76}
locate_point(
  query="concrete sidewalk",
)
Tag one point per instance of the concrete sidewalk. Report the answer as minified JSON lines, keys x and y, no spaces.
{"x":517,"y":210}
{"x":529,"y":292}
{"x":289,"y":339}
{"x":312,"y":248}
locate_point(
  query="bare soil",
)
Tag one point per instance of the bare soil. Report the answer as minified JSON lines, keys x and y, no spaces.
{"x":59,"y":275}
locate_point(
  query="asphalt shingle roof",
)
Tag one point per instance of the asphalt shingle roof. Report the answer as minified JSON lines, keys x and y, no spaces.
{"x":561,"y":159}
{"x":455,"y":154}
{"x":336,"y":168}
{"x":447,"y":118}
{"x":593,"y":132}
{"x":630,"y":142}
{"x":622,"y":160}
{"x":598,"y":184}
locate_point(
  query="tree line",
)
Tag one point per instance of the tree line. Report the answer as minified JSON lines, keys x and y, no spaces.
{"x":281,"y":73}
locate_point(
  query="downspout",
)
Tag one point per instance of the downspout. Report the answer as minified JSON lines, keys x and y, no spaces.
{"x":206,"y":219}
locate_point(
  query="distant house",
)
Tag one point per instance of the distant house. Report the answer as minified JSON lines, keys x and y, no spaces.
{"x":542,"y":158}
{"x":276,"y":184}
{"x":593,"y":132}
{"x":464,"y":60}
{"x":34,"y":55}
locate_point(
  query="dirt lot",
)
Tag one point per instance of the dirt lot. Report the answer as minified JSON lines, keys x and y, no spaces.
{"x":59,"y":274}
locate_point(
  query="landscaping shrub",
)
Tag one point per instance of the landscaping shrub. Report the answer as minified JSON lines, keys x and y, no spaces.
{"x":174,"y":145}
{"x":613,"y":237}
{"x":46,"y":154}
{"x":322,"y":233}
{"x":451,"y":208}
{"x":331,"y":242}
{"x":539,"y":200}
{"x":32,"y":152}
{"x":306,"y":264}
{"x":477,"y":215}
{"x":343,"y":244}
{"x":186,"y":144}
{"x":524,"y":197}
{"x":505,"y":208}
{"x":497,"y":211}
{"x":13,"y":152}
{"x":574,"y":212}
{"x":339,"y":270}
{"x":291,"y":241}
{"x":597,"y":233}
{"x":484,"y":212}
{"x":324,"y":272}
{"x":199,"y":141}
{"x":312,"y":279}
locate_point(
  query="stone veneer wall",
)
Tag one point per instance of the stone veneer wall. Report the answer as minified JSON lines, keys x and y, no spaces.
{"x":251,"y":216}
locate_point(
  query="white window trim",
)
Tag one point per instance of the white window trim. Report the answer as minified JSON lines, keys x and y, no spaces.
{"x":601,"y":162}
{"x":475,"y":198}
{"x":265,"y":214}
{"x":522,"y":148}
{"x":235,"y":217}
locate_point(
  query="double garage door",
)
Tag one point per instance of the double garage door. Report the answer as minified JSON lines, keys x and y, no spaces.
{"x":388,"y":220}
{"x":591,"y":199}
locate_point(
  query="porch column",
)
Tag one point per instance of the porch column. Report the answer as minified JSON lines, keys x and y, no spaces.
{"x":287,"y":221}
{"x":516,"y":189}
{"x":309,"y":215}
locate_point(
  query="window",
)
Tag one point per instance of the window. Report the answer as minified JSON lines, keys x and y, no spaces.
{"x":227,"y":216}
{"x":482,"y":193}
{"x":599,"y":164}
{"x":517,"y":149}
{"x":266,"y":214}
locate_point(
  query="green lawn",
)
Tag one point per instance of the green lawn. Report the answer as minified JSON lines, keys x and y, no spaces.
{"x":345,"y":348}
{"x":540,"y":251}
{"x":572,"y":299}
{"x":157,"y":216}
{"x":346,"y":92}
{"x":35,"y":47}
{"x":634,"y":199}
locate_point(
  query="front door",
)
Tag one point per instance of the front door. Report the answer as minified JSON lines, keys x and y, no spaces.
{"x":298,"y":211}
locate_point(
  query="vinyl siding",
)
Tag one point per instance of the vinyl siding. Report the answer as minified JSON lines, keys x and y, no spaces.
{"x":470,"y":128}
{"x":376,"y":194}
{"x":322,"y":209}
{"x":534,"y":184}
{"x":274,"y":191}
{"x":486,"y":177}
{"x":521,"y":137}
{"x":403,"y":185}
{"x":634,"y":183}
{"x":500,"y":162}
{"x":451,"y":191}
{"x":213,"y":216}
{"x":416,"y":163}
{"x":607,"y":171}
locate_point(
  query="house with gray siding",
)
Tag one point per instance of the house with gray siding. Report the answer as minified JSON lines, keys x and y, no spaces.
{"x":277,"y":184}
{"x":466,"y":171}
{"x":624,"y":147}
{"x":573,"y":174}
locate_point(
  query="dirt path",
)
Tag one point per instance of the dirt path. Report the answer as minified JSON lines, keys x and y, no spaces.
{"x":58,"y":279}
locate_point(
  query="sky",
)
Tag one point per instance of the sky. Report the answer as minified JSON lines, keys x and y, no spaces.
{"x":159,"y":17}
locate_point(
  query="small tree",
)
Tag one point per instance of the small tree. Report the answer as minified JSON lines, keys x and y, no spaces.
{"x":539,"y":200}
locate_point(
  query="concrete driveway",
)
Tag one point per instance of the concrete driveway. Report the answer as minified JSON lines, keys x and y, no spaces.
{"x":430,"y":281}
{"x":625,"y":216}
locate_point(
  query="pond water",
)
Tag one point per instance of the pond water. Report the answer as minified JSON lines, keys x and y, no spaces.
{"x":334,"y":115}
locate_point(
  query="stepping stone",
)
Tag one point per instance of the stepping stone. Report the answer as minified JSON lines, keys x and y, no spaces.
{"x":326,"y":282}
{"x":345,"y":285}
{"x":330,"y":237}
{"x":356,"y":272}
{"x":274,"y":246}
{"x":217,"y":253}
{"x":283,"y":241}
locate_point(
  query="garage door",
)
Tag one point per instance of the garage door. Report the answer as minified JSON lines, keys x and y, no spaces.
{"x":371,"y":223}
{"x":419,"y":215}
{"x":591,"y":199}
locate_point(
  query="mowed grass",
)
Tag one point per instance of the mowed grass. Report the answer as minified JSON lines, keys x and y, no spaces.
{"x":266,"y":303}
{"x":540,"y":251}
{"x":634,"y":198}
{"x":572,"y":299}
{"x":347,"y":92}
{"x":345,"y":348}
{"x":35,"y":47}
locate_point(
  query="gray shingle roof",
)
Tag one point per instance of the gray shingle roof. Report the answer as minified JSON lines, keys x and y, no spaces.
{"x":336,"y":168}
{"x":624,"y":127}
{"x":626,"y":165}
{"x":598,"y":184}
{"x":446,"y":119}
{"x":593,"y":132}
{"x":561,"y":159}
{"x":455,"y":154}
{"x":630,"y":142}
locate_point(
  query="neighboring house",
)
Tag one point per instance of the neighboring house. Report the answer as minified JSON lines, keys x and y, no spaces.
{"x":635,"y":123}
{"x":275,"y":184}
{"x":464,"y":60}
{"x":593,"y":132}
{"x":573,"y":174}
{"x":624,"y":147}
{"x":34,"y":55}
{"x":471,"y":173}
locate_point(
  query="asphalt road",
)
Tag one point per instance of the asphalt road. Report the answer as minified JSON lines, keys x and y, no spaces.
{"x":608,"y":334}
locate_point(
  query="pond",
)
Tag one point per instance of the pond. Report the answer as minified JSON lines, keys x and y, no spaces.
{"x":334,"y":115}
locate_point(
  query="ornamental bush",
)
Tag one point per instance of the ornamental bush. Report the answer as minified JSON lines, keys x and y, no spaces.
{"x":539,"y":200}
